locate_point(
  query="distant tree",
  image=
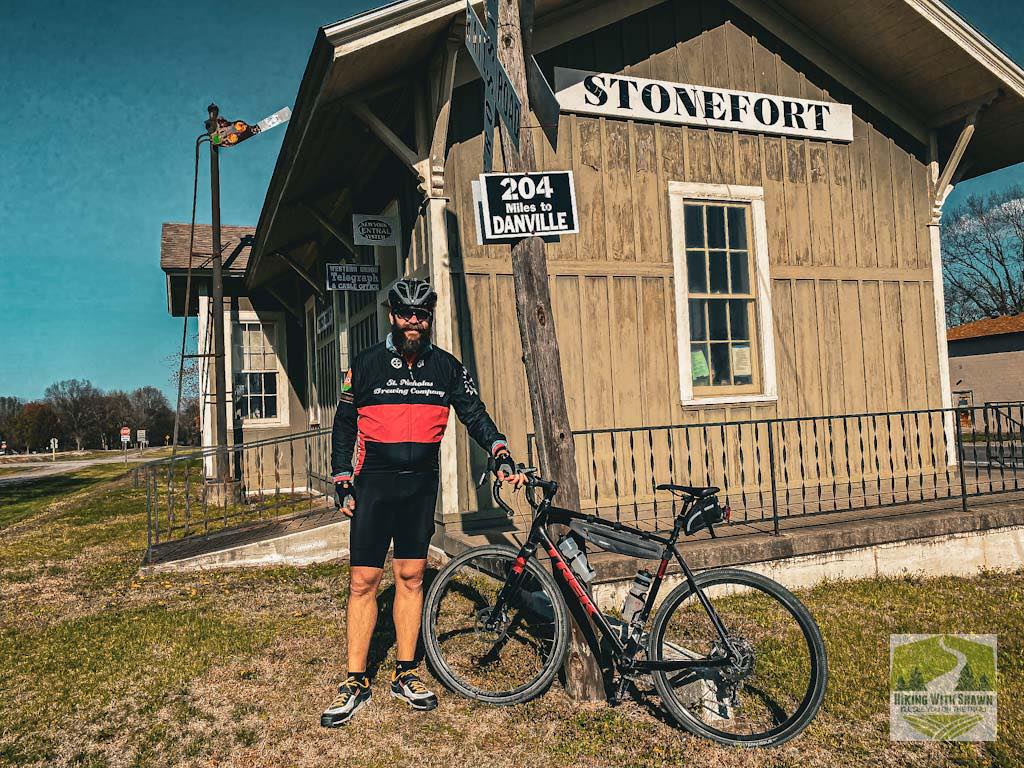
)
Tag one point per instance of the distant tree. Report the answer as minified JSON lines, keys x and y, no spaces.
{"x":983,"y":257}
{"x":983,"y":683}
{"x":10,"y":409}
{"x":151,"y":412}
{"x":78,"y":405}
{"x":189,"y":430}
{"x":115,"y":412}
{"x":35,"y":425}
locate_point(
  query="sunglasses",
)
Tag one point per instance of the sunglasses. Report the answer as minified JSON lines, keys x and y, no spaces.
{"x":408,"y":313}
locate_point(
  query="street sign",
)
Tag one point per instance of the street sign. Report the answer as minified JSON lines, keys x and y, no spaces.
{"x":374,"y":230}
{"x":499,"y":94}
{"x":53,"y":443}
{"x":126,"y":434}
{"x":140,"y":436}
{"x":353,"y":277}
{"x":518,"y":205}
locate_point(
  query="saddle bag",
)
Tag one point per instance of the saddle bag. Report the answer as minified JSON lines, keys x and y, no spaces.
{"x":703,"y":514}
{"x":620,"y":542}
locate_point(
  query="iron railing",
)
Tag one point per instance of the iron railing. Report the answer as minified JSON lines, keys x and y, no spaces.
{"x":771,"y":469}
{"x":277,"y":478}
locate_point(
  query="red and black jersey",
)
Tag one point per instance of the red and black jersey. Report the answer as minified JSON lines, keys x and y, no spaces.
{"x":392,"y":415}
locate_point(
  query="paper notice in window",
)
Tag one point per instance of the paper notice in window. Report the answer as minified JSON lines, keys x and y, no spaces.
{"x":698,"y":365}
{"x":741,"y":360}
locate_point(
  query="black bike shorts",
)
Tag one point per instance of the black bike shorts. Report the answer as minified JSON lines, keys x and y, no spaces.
{"x":392,"y":505}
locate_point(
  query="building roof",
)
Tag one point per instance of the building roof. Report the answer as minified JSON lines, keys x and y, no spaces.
{"x":174,"y":247}
{"x":916,"y":62}
{"x":989,"y":326}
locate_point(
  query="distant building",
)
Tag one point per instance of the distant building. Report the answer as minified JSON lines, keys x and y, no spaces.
{"x":986,"y":360}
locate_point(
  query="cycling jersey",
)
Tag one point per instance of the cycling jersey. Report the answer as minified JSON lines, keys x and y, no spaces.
{"x":392,"y":415}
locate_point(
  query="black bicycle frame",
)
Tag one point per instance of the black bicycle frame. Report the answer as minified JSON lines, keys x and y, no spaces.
{"x":622,"y":655}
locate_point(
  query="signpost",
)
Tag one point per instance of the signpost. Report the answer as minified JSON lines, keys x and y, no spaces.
{"x":140,"y":438}
{"x":499,"y":94}
{"x":353,"y":277}
{"x":53,"y":448}
{"x":518,"y":205}
{"x":126,"y":437}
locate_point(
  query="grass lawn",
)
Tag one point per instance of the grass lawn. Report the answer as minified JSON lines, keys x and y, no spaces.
{"x":101,"y":667}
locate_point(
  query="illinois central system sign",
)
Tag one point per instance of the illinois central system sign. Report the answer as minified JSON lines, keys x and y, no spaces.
{"x":637,"y":98}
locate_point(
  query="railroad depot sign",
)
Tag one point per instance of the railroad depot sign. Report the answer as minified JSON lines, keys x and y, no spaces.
{"x":637,"y":98}
{"x":512,"y":206}
{"x":374,"y":230}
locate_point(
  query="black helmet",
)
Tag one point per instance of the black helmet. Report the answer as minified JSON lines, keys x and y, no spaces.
{"x":412,"y":293}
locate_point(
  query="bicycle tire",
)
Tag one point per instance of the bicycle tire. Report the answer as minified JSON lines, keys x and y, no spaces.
{"x":441,"y":667}
{"x":818,"y":666}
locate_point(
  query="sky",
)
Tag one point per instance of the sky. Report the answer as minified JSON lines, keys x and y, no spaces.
{"x":101,"y":105}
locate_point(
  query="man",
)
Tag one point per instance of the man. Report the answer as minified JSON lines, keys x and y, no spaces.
{"x":392,"y":414}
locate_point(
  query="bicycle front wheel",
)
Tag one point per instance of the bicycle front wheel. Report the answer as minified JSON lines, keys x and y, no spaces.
{"x":777,"y":684}
{"x":507,"y":656}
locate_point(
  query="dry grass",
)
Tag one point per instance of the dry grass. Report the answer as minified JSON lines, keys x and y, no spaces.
{"x":104,"y":668}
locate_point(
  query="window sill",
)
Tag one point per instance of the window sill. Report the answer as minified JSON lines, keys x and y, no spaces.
{"x":699,"y":402}
{"x":263,"y":424}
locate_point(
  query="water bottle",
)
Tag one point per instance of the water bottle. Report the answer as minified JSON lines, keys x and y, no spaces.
{"x":636,"y":597}
{"x":576,"y":559}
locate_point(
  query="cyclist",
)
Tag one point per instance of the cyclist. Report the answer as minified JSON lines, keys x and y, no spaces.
{"x":392,"y":414}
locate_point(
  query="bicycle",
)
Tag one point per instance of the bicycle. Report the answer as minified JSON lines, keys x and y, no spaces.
{"x":748,"y":670}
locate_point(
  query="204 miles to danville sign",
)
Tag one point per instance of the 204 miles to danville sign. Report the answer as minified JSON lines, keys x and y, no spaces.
{"x":518,"y":205}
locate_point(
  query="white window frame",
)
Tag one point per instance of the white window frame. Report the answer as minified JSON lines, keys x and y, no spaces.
{"x":280,"y":354}
{"x":679,"y":192}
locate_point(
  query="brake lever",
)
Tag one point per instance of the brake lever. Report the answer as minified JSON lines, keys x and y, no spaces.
{"x":496,"y":492}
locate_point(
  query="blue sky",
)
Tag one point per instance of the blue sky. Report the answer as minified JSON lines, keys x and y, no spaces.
{"x":101,"y":105}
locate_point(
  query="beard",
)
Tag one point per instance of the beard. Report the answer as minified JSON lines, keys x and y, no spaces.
{"x":406,"y":346}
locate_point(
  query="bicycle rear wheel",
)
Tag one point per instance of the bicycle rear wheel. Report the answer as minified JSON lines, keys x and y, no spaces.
{"x":776,"y":688}
{"x":507,"y":662}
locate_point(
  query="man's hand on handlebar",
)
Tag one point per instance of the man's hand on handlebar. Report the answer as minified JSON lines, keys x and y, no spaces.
{"x":506,"y":470}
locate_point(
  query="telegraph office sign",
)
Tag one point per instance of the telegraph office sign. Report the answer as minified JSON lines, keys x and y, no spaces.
{"x":353,"y":277}
{"x":637,"y":98}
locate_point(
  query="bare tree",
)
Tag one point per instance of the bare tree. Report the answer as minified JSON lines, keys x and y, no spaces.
{"x":983,"y":257}
{"x":10,"y":409}
{"x":78,"y":405}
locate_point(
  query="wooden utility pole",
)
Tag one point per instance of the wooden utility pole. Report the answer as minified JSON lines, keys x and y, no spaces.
{"x":557,"y":454}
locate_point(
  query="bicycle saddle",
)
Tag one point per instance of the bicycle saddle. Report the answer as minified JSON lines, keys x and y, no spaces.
{"x":693,"y":490}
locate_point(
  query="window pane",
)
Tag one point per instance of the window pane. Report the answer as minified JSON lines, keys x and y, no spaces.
{"x":242,"y":408}
{"x":720,"y":364}
{"x":255,"y":383}
{"x":698,"y":323}
{"x":738,"y":319}
{"x":270,"y":383}
{"x":742,"y":364}
{"x":699,"y":371}
{"x":718,"y":272}
{"x":270,"y":406}
{"x":716,"y":319}
{"x":740,"y":267}
{"x":737,"y":228}
{"x":716,"y":226}
{"x":694,"y":224}
{"x":268,"y":337}
{"x":696,"y":278}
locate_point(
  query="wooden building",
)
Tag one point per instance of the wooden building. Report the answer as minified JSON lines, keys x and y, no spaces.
{"x":726,"y":277}
{"x":986,"y":360}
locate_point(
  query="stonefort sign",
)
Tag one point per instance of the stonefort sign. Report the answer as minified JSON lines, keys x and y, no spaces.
{"x":637,"y":98}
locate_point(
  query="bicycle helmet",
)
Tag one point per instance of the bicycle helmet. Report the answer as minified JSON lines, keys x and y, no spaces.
{"x":412,"y":293}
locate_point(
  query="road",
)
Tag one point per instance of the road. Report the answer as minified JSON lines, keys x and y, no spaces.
{"x":37,"y":469}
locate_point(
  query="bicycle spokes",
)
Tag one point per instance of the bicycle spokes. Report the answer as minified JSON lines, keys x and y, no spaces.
{"x":764,"y":687}
{"x":494,"y":648}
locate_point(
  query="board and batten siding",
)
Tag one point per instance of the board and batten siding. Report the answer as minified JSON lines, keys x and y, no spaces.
{"x":850,"y":266}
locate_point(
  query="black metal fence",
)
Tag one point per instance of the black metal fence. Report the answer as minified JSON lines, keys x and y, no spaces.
{"x":771,"y":469}
{"x":273,"y":478}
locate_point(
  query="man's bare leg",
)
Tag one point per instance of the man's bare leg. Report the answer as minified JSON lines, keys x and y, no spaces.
{"x":408,"y":606}
{"x":362,"y":613}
